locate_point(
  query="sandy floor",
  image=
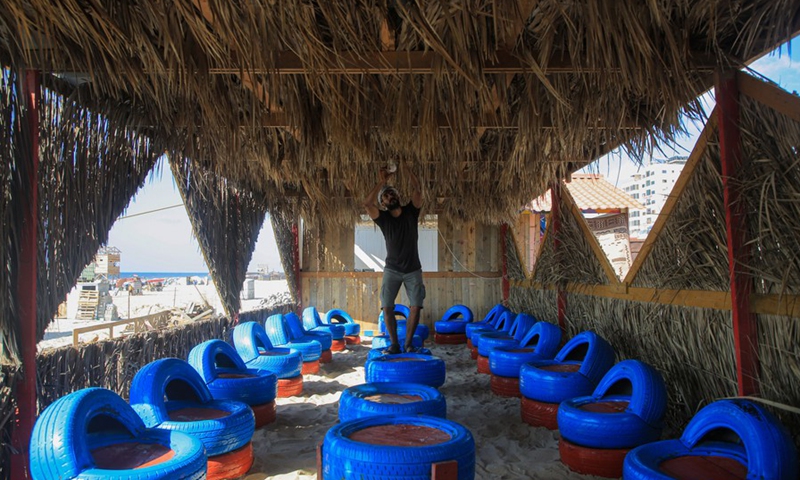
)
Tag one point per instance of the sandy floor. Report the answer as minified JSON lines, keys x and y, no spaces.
{"x":506,"y":448}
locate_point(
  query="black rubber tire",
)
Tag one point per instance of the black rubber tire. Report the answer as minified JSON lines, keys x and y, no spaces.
{"x":60,"y":446}
{"x":406,"y":368}
{"x":343,"y":457}
{"x":355,"y":401}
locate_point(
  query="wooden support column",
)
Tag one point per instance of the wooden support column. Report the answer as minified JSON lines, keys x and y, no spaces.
{"x":745,"y":330}
{"x":555,"y":217}
{"x":296,"y":261}
{"x":504,"y":256}
{"x":26,"y":289}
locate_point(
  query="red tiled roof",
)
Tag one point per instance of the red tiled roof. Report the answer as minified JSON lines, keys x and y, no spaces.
{"x":591,"y":192}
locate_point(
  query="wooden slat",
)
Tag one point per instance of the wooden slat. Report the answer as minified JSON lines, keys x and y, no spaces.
{"x":380,"y":274}
{"x":674,"y":195}
{"x":601,"y":256}
{"x":770,"y":95}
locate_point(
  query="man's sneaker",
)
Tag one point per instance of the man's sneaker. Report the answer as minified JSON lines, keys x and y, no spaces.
{"x":393,"y":349}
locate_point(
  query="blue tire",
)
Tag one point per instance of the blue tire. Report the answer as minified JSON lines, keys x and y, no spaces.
{"x":490,"y":320}
{"x":406,"y":368}
{"x":299,"y":334}
{"x":447,"y":327}
{"x":357,"y":402}
{"x":401,"y":313}
{"x":277,"y":328}
{"x":383,"y":341}
{"x":590,"y":352}
{"x":503,"y":324}
{"x":228,"y":378}
{"x":377,"y":352}
{"x":540,"y":343}
{"x":422,"y":330}
{"x":340,"y":317}
{"x":343,"y":457}
{"x":591,"y":429}
{"x":766,"y":447}
{"x":313,"y":323}
{"x":458,"y":311}
{"x":255,"y":348}
{"x":162,"y":387}
{"x":69,"y":429}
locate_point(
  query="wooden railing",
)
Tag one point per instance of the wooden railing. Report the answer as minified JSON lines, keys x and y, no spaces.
{"x":140,"y":324}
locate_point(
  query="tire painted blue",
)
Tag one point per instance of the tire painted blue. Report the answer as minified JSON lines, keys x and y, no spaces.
{"x":377,"y":352}
{"x":298,"y":333}
{"x":489,"y":341}
{"x":589,"y":351}
{"x":383,"y":341}
{"x":255,"y":348}
{"x":406,"y":368}
{"x":450,"y":326}
{"x":277,"y":328}
{"x":313,"y":323}
{"x":506,"y":323}
{"x":422,"y":331}
{"x":400,"y":310}
{"x":355,"y":402}
{"x":540,"y":343}
{"x":591,"y":429}
{"x":766,"y":447}
{"x":340,"y":317}
{"x":490,"y":320}
{"x":454,"y":320}
{"x":227,"y":376}
{"x":61,"y":442}
{"x":170,"y":384}
{"x":343,"y":457}
{"x":648,"y":392}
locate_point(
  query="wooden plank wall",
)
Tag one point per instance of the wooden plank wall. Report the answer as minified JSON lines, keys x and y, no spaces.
{"x":469,"y":273}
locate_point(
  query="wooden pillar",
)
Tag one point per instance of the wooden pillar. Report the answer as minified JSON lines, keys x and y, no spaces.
{"x":26,"y":289}
{"x":555,"y":217}
{"x":745,"y":329}
{"x":296,"y":263}
{"x":504,"y":257}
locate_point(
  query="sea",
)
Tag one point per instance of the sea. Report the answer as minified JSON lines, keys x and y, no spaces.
{"x":163,"y":274}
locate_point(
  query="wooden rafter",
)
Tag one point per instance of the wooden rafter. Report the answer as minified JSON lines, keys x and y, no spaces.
{"x":674,"y":195}
{"x":770,"y":95}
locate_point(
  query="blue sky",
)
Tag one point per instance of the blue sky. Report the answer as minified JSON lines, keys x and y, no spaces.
{"x":163,"y":241}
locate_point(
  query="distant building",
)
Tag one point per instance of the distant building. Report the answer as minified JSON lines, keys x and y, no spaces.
{"x":651,"y":186}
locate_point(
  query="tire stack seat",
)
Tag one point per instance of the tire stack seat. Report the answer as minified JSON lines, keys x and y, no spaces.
{"x":406,"y":368}
{"x":452,"y":328}
{"x":390,"y":398}
{"x":485,"y":342}
{"x":277,"y":328}
{"x":504,"y":325}
{"x":256,"y":349}
{"x":312,"y":323}
{"x":540,"y":343}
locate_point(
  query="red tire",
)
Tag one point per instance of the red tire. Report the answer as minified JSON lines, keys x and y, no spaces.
{"x":232,"y":464}
{"x":483,"y":365}
{"x":352,"y":339}
{"x":326,"y":356}
{"x":469,"y":343}
{"x":290,"y":387}
{"x":265,"y":413}
{"x":603,"y":462}
{"x":539,"y":414}
{"x":473,"y":353}
{"x":338,"y":345}
{"x":505,"y":386}
{"x":449,"y":338}
{"x":310,"y":368}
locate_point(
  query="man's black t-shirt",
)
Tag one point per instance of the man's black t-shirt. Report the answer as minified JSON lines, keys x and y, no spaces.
{"x":401,"y":236}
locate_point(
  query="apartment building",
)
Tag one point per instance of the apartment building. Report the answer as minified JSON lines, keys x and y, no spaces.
{"x":651,"y":186}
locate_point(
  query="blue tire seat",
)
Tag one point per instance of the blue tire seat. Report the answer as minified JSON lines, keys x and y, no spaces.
{"x":338,"y":316}
{"x":454,"y":320}
{"x":406,"y":368}
{"x":313,"y":323}
{"x":383,"y":341}
{"x":540,"y":343}
{"x":377,"y":352}
{"x":256,"y":349}
{"x":391,"y":398}
{"x":490,"y":320}
{"x":486,"y":342}
{"x":277,"y":329}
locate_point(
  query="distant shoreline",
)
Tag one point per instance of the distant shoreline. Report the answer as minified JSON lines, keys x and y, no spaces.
{"x":163,"y":274}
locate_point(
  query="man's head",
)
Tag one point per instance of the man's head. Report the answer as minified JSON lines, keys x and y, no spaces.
{"x":388,"y":198}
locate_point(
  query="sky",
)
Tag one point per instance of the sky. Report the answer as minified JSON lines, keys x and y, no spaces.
{"x":162,"y":241}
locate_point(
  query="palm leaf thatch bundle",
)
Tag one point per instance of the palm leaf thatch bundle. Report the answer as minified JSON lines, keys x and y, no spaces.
{"x":208,"y":70}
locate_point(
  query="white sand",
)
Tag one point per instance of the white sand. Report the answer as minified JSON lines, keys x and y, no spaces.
{"x":506,"y":448}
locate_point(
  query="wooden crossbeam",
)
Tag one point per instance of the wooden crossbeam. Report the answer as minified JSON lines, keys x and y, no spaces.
{"x":770,"y":95}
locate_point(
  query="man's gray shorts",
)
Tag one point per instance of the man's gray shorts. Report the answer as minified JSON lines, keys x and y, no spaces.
{"x":392,"y":280}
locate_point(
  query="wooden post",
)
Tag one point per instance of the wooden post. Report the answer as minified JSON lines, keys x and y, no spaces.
{"x":26,"y":290}
{"x":745,"y":330}
{"x":504,"y":256}
{"x":555,"y":217}
{"x":296,"y":260}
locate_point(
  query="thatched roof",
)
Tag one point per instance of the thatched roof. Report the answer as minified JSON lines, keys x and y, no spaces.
{"x":591,"y":192}
{"x":488,"y":101}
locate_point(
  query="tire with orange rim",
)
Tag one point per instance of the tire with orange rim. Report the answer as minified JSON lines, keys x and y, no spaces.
{"x":603,"y":462}
{"x":505,"y":386}
{"x":473,"y":353}
{"x":338,"y":345}
{"x":326,"y":356}
{"x":265,"y":413}
{"x":290,"y":387}
{"x":352,"y":339}
{"x":232,"y":464}
{"x":311,"y":368}
{"x":483,"y":365}
{"x":397,"y":447}
{"x":539,"y":414}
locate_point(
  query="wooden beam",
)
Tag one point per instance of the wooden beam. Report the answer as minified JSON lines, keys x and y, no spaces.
{"x":415,"y":62}
{"x":601,"y":256}
{"x":677,"y":190}
{"x":504,"y":257}
{"x":745,"y":333}
{"x":555,"y":216}
{"x":489,"y":275}
{"x":770,"y":95}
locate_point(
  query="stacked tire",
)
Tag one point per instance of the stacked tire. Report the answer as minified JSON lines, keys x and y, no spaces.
{"x":352,"y":330}
{"x":313,"y":323}
{"x":390,"y":398}
{"x":406,"y":368}
{"x":256,"y":349}
{"x":540,"y":343}
{"x":452,"y":328}
{"x":485,"y":342}
{"x":277,"y":329}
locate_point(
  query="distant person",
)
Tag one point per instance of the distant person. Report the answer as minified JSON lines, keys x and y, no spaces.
{"x":399,"y":225}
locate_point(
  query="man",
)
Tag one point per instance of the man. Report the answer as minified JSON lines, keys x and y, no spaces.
{"x":398,"y":223}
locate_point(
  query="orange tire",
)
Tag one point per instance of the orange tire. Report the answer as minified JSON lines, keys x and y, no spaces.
{"x":539,"y":414}
{"x":290,"y":387}
{"x":483,"y":365}
{"x":505,"y":386}
{"x":338,"y":345}
{"x":473,"y":353}
{"x":352,"y":339}
{"x":265,"y":413}
{"x":469,"y":343}
{"x":326,"y":356}
{"x":232,"y":464}
{"x":450,"y":338}
{"x":310,"y":367}
{"x":603,"y":462}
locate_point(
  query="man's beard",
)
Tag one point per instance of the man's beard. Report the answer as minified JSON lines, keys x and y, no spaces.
{"x":393,"y":205}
